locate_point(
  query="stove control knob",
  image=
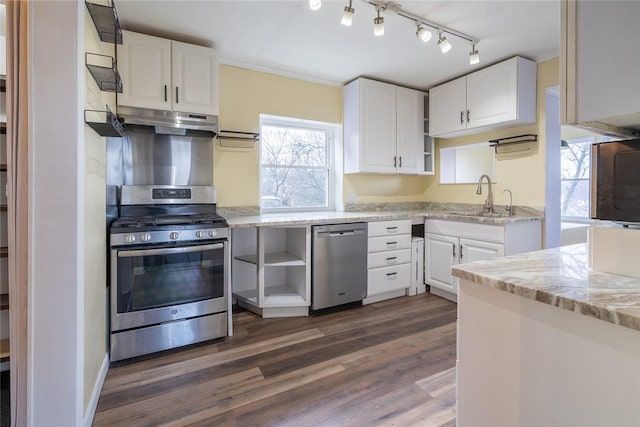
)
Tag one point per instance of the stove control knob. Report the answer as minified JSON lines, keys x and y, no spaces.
{"x":212,"y":233}
{"x":174,"y":235}
{"x":130,"y":238}
{"x":145,"y":237}
{"x":199,"y":234}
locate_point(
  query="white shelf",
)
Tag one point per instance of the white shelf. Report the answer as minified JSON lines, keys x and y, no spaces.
{"x":282,"y":259}
{"x":275,"y":296}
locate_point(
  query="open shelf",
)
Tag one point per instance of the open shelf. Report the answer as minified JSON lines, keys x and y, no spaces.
{"x":105,"y":18}
{"x":275,"y":296}
{"x":282,"y":259}
{"x":4,"y":301}
{"x":104,"y":122}
{"x":103,"y":69}
{"x":3,"y":167}
{"x":4,"y":350}
{"x":4,"y":252}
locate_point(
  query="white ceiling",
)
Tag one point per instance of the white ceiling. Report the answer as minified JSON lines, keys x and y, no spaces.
{"x":286,"y":37}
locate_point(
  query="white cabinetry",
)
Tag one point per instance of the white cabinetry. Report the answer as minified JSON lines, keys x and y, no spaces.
{"x":448,"y":243}
{"x":389,"y":260}
{"x":598,"y":69}
{"x":271,"y":272}
{"x":167,"y":75}
{"x":383,"y":128}
{"x":501,"y":95}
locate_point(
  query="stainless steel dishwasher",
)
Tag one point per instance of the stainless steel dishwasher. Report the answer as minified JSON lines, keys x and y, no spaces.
{"x":339,"y":267}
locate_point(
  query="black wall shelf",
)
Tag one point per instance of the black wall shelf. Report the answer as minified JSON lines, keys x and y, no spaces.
{"x":104,"y":122}
{"x":105,"y":18}
{"x":103,"y":69}
{"x":513,"y":140}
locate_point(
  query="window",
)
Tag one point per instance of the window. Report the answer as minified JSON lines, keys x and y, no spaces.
{"x":575,"y":162}
{"x":296,"y":164}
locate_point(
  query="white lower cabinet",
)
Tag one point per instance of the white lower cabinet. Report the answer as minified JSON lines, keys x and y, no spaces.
{"x":271,"y":272}
{"x":448,"y":243}
{"x":388,"y":260}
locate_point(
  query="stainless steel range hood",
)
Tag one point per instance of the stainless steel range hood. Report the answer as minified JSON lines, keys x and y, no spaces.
{"x":168,"y":122}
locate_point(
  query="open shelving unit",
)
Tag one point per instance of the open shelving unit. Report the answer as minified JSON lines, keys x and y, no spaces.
{"x":428,"y":148}
{"x":271,"y":270}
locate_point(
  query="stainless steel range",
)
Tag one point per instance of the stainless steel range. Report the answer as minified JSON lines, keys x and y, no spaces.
{"x":169,"y":269}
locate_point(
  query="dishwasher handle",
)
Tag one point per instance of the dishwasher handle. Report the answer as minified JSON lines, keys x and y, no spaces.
{"x":344,"y":233}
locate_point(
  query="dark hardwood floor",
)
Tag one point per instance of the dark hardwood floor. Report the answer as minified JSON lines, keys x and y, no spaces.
{"x":390,"y":363}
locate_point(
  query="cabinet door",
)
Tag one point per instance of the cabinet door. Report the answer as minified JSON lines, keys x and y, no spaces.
{"x":195,"y":79}
{"x":144,"y":63}
{"x":377,"y":126}
{"x":447,"y":107}
{"x":441,"y":253}
{"x":492,"y":94}
{"x":475,"y":250}
{"x":410,"y":123}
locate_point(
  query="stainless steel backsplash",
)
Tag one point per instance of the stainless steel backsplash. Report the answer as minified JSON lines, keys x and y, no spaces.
{"x":142,"y":157}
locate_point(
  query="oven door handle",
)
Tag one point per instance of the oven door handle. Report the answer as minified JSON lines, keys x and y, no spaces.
{"x":169,"y":251}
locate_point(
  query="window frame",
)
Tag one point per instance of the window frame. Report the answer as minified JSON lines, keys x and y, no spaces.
{"x":332,"y":132}
{"x":578,"y":219}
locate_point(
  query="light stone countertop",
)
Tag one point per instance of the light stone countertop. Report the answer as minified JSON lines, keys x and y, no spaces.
{"x":561,"y":277}
{"x":331,"y":217}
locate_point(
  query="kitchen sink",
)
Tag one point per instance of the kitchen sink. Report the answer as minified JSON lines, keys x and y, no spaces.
{"x":482,"y":214}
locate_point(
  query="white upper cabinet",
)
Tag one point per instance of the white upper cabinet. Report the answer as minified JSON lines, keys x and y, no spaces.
{"x":498,"y":96}
{"x":383,"y":127}
{"x":599,"y":82}
{"x":167,"y":75}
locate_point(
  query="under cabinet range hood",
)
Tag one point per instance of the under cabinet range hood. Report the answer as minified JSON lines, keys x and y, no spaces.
{"x":169,"y":122}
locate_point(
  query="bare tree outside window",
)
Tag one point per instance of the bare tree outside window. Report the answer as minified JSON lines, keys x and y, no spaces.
{"x":575,"y":161}
{"x":295,"y":166}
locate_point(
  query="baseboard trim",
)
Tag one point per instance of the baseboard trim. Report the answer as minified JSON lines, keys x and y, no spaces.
{"x":97,"y":388}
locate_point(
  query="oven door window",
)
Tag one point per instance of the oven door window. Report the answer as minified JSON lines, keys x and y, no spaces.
{"x":162,"y":277}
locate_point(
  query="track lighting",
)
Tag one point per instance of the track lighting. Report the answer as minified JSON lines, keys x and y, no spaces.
{"x":474,"y":57}
{"x":425,"y":28}
{"x":315,"y":4}
{"x":347,"y":16}
{"x":378,"y":24}
{"x":423,"y":34}
{"x":443,"y":43}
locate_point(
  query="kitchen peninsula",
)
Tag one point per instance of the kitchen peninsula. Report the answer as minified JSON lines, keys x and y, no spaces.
{"x":544,"y":340}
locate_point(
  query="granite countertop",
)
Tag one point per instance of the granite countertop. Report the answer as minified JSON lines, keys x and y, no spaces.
{"x":327,"y":217}
{"x":561,"y":277}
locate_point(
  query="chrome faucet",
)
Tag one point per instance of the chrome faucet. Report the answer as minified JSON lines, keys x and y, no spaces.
{"x":510,"y":208}
{"x":488,"y":204}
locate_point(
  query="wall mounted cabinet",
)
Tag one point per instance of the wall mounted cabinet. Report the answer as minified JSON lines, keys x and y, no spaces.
{"x":383,"y":128}
{"x":448,"y":243}
{"x":167,"y":75}
{"x":498,"y":96}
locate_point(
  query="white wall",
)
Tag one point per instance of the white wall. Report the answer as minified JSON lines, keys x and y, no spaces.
{"x":55,"y":354}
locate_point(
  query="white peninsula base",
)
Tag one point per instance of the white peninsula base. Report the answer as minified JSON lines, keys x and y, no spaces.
{"x":526,"y":363}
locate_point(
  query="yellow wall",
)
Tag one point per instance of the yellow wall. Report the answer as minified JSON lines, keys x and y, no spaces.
{"x":244,"y":95}
{"x":95,"y":241}
{"x":523,"y":174}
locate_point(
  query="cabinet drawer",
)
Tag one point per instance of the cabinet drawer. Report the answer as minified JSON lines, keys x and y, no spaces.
{"x":388,"y":279}
{"x":387,"y":228}
{"x":389,"y":258}
{"x":389,"y":243}
{"x":468,"y":230}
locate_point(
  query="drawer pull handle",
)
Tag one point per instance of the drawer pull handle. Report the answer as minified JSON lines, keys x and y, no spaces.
{"x":392,"y":260}
{"x":392,"y":229}
{"x":391,"y":276}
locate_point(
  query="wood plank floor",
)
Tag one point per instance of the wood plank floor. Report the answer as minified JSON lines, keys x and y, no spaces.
{"x":385,"y":364}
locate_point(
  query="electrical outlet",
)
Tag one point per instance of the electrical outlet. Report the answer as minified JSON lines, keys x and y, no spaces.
{"x":352,"y":198}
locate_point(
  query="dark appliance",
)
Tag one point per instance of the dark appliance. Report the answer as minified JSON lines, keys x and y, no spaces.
{"x":169,"y":270}
{"x":615,"y":181}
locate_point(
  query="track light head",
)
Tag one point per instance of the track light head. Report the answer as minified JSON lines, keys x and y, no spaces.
{"x":378,"y":24}
{"x":474,"y":57}
{"x":315,"y":4}
{"x":423,"y":34}
{"x":443,"y":43}
{"x":347,"y":15}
